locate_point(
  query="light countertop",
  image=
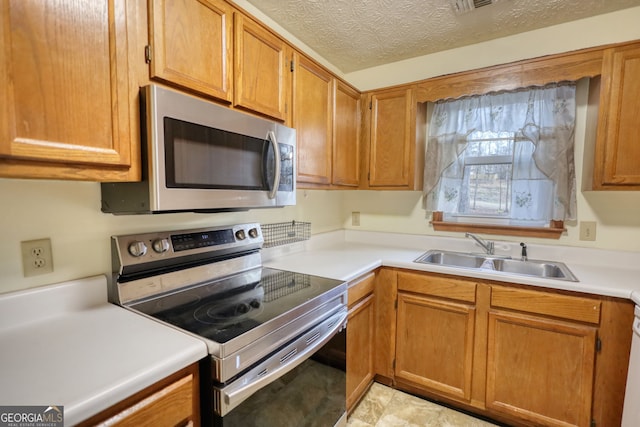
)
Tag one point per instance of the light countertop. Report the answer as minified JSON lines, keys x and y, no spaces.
{"x":347,"y":254}
{"x":64,"y":344}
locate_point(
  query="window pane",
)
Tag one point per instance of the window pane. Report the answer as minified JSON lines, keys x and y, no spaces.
{"x":489,"y":148}
{"x":486,"y":190}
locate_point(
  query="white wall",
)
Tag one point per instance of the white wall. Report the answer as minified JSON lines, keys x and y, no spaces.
{"x":69,"y":214}
{"x":613,"y":27}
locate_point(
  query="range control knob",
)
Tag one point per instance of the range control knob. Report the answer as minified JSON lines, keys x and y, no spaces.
{"x":242,"y":308}
{"x":253,"y":233}
{"x":240,"y":235}
{"x":137,"y":249}
{"x":160,"y":245}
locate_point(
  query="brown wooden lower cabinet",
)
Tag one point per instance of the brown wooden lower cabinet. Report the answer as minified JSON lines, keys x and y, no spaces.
{"x":540,"y":370}
{"x":435,"y":344}
{"x":360,"y":338}
{"x":519,"y":354}
{"x":174,"y":401}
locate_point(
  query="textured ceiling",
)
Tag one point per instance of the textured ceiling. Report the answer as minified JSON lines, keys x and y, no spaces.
{"x":358,"y":34}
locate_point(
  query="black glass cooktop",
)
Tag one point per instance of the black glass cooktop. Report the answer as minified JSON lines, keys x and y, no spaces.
{"x":227,"y":308}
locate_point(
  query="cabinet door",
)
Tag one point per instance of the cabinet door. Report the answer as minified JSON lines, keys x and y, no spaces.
{"x":540,"y":370}
{"x":191,"y":44}
{"x":617,"y":159}
{"x":392,"y":138}
{"x":312,"y":119}
{"x":262,"y":69}
{"x":346,"y":136}
{"x":360,"y":340}
{"x":435,"y":344}
{"x":65,"y":106}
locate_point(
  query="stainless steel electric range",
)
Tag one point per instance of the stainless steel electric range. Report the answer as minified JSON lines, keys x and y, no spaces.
{"x":276,"y":338}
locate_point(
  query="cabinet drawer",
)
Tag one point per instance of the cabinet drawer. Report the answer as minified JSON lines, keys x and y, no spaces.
{"x":562,"y":306}
{"x":173,"y":401}
{"x":442,"y":286}
{"x":171,"y":405}
{"x":360,"y":288}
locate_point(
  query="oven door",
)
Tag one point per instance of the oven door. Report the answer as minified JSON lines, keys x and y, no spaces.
{"x":300,"y":385}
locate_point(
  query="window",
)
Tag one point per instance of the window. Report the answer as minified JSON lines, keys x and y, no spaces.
{"x":504,"y":159}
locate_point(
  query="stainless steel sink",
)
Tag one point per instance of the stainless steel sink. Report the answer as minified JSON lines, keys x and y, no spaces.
{"x":532,"y":267}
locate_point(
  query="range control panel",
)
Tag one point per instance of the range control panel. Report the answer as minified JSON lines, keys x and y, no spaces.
{"x":136,"y":249}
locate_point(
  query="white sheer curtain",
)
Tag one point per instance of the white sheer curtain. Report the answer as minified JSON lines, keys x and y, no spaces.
{"x":542,"y":121}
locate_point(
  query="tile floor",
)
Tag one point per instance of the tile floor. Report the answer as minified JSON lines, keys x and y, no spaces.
{"x":385,"y":407}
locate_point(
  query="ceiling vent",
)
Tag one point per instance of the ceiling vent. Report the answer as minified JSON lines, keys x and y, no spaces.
{"x":463,"y":6}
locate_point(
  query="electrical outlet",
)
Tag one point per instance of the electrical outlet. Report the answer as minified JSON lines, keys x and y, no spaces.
{"x":37,"y":257}
{"x":588,"y":230}
{"x":355,"y":219}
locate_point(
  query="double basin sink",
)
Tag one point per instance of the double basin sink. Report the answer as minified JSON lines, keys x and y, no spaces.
{"x":534,"y":268}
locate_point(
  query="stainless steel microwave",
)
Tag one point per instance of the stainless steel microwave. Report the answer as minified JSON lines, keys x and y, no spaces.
{"x":202,"y":157}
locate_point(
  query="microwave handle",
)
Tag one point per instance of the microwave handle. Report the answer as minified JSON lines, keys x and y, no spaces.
{"x":271,"y":136}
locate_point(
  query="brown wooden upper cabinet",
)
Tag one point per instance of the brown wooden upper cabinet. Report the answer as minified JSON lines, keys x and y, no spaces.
{"x":262,"y":72}
{"x":326,"y":115}
{"x":191,"y":45}
{"x":66,"y":110}
{"x":346,"y":136}
{"x":312,"y":118}
{"x":395,"y":135}
{"x":617,"y":154}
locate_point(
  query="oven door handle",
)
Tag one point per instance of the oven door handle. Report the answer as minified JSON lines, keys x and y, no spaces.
{"x":279,"y":364}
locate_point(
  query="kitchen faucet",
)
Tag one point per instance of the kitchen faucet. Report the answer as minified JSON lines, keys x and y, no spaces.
{"x":524,"y":251}
{"x":487,"y":245}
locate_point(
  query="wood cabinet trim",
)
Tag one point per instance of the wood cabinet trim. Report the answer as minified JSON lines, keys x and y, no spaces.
{"x":569,"y":66}
{"x":386,"y":294}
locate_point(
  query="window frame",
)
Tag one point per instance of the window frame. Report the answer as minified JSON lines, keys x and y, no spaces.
{"x":553,"y":231}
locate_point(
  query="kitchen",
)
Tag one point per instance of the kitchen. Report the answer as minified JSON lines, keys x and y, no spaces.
{"x":69,"y":212}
